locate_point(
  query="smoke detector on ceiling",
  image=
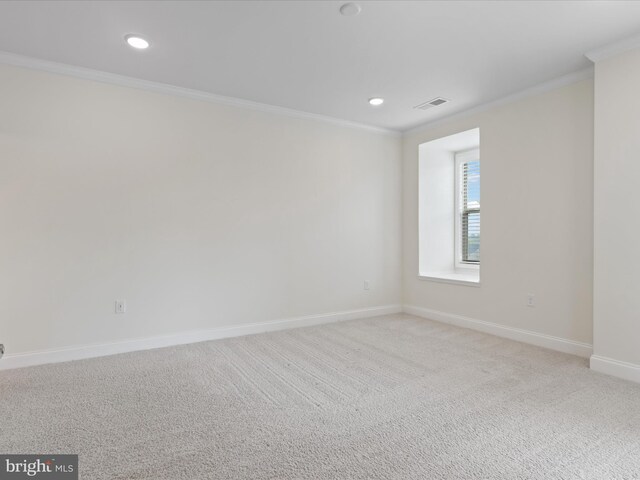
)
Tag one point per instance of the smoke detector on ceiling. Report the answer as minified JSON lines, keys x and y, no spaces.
{"x":436,"y":102}
{"x":350,"y":9}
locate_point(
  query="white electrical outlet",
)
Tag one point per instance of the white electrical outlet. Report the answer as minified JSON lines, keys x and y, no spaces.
{"x":367,"y":285}
{"x":121,"y":306}
{"x":531,"y":300}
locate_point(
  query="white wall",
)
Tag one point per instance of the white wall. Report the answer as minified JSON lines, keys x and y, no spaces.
{"x":202,"y":215}
{"x":436,"y":194}
{"x":199,"y":215}
{"x":617,"y":219}
{"x":537,"y":203}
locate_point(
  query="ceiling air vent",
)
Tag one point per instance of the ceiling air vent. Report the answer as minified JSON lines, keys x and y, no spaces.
{"x":436,"y":102}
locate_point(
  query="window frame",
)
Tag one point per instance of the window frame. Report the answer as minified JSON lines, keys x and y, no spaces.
{"x":460,"y":158}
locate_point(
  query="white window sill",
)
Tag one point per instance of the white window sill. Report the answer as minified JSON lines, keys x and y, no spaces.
{"x":469,"y":277}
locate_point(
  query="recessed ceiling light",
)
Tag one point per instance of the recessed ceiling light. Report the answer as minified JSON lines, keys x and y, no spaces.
{"x":350,"y":9}
{"x":376,"y":101}
{"x":136,"y":41}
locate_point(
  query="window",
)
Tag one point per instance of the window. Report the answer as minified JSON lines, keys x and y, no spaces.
{"x":467,"y":209}
{"x":449,"y":209}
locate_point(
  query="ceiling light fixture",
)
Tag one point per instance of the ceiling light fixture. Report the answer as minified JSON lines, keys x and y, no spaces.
{"x":136,"y":41}
{"x":350,"y":9}
{"x":376,"y":101}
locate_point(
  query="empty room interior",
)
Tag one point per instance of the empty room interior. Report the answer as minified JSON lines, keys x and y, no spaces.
{"x":295,"y":240}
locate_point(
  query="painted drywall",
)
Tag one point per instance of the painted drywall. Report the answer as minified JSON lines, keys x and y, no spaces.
{"x":537,"y":224}
{"x":616,"y":266}
{"x":198,"y":215}
{"x":436,"y":191}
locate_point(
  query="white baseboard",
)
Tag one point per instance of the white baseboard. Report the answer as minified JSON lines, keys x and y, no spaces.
{"x":520,"y":335}
{"x":617,"y":368}
{"x":10,"y":361}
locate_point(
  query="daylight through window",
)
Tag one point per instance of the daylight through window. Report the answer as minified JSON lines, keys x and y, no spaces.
{"x":468,"y":172}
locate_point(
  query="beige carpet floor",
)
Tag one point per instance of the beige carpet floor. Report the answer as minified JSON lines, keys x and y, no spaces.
{"x":394,"y":397}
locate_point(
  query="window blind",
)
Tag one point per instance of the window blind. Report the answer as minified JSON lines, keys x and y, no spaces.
{"x":470,"y":221}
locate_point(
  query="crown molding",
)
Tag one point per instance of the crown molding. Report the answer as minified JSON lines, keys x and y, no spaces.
{"x":163,"y":88}
{"x":529,"y":92}
{"x":613,"y":49}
